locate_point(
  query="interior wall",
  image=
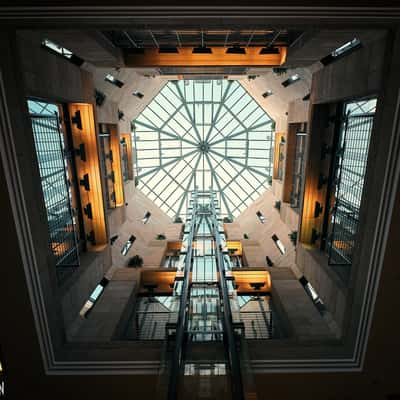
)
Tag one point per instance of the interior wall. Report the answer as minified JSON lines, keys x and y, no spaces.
{"x":145,"y":245}
{"x":260,"y":234}
{"x":358,"y":75}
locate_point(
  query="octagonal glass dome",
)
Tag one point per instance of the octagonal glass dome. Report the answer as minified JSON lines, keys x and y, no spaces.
{"x":209,"y":134}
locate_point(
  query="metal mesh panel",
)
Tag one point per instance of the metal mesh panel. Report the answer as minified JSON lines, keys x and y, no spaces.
{"x":125,"y":165}
{"x":351,"y":157}
{"x":107,"y":162}
{"x":298,"y":172}
{"x":50,"y":151}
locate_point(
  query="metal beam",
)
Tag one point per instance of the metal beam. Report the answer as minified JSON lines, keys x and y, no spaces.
{"x":161,"y":166}
{"x":188,"y":187}
{"x":219,"y":187}
{"x":242,"y":165}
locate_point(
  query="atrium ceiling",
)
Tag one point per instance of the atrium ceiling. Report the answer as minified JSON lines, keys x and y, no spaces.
{"x":204,"y":134}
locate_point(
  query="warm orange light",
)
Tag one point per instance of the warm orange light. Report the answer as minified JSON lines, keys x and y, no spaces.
{"x":158,"y":281}
{"x":87,"y":137}
{"x":185,"y":58}
{"x":235,"y":245}
{"x":245,"y":278}
{"x":118,"y":180}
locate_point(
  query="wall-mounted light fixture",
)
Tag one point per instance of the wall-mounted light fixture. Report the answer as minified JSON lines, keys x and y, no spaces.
{"x":128,"y":245}
{"x":341,"y":51}
{"x":146,"y":217}
{"x":236,"y":49}
{"x":113,"y":80}
{"x":279,"y":244}
{"x":317,"y":209}
{"x":293,"y":79}
{"x":267,"y":93}
{"x":94,"y":296}
{"x":100,"y":97}
{"x":168,"y":50}
{"x":270,"y":50}
{"x":138,"y":94}
{"x":322,"y":180}
{"x":260,"y":216}
{"x":314,"y":236}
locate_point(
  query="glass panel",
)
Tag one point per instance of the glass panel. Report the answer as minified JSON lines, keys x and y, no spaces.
{"x":56,"y":185}
{"x":351,"y":164}
{"x":208,"y":125}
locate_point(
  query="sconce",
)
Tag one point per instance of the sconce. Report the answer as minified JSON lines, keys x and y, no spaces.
{"x":325,"y":150}
{"x":77,"y":120}
{"x":85,"y":182}
{"x":314,"y":236}
{"x":322,"y":180}
{"x":81,"y":152}
{"x":318,"y":209}
{"x":90,"y":237}
{"x":88,"y":210}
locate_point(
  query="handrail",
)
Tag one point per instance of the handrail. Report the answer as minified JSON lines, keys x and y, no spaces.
{"x":234,"y":359}
{"x":182,"y":315}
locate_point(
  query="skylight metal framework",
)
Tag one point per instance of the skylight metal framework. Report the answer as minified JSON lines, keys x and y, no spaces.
{"x":204,"y":134}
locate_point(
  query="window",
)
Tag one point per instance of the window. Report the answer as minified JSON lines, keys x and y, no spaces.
{"x":204,"y":133}
{"x":107,"y":161}
{"x":298,"y":172}
{"x":341,"y":51}
{"x":62,"y":51}
{"x":281,"y":158}
{"x":125,"y":160}
{"x":349,"y":174}
{"x":56,"y":168}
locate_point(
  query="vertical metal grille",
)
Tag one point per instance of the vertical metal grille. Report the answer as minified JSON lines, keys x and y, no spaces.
{"x":51,"y":155}
{"x":298,"y":172}
{"x":107,"y":161}
{"x":124,"y":156}
{"x":351,"y":163}
{"x":280,"y":161}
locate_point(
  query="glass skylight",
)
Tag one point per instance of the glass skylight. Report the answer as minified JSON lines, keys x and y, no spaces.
{"x":204,"y":134}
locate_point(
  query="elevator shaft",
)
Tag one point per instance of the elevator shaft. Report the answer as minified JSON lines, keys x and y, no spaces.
{"x":206,"y":295}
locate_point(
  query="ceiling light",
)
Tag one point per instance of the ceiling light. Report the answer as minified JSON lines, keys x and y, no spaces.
{"x":267,"y":93}
{"x":236,"y":49}
{"x":270,"y":50}
{"x":202,"y":50}
{"x":168,"y":50}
